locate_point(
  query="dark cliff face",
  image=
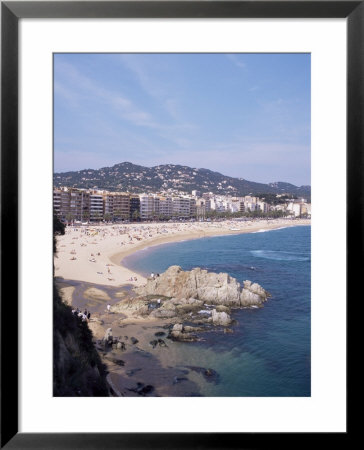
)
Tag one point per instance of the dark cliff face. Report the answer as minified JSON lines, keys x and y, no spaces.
{"x":77,"y":368}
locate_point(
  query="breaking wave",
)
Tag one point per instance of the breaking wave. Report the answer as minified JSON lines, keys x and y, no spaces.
{"x":279,"y":255}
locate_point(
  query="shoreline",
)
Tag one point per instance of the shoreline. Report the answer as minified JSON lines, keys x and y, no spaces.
{"x":97,"y":252}
{"x":168,"y":370}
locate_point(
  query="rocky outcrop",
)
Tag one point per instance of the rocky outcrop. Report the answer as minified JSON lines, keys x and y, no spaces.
{"x":220,"y":318}
{"x":191,"y":302}
{"x":252,"y":294}
{"x":207,"y":287}
{"x":136,"y":307}
{"x":183,"y":334}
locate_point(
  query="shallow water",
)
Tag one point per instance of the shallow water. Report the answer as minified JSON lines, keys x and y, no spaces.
{"x":269,"y":352}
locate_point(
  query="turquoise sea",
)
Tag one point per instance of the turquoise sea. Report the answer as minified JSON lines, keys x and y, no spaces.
{"x":269,"y":353}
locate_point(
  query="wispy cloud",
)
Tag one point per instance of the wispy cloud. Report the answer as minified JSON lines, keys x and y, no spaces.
{"x":78,"y":82}
{"x":160,"y":90}
{"x":235,"y":119}
{"x":236,"y":60}
{"x":74,"y":82}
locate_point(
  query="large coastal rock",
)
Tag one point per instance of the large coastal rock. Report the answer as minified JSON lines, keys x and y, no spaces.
{"x":208,"y":287}
{"x":220,"y":318}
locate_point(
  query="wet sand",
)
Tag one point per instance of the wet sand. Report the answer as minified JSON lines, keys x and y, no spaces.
{"x":139,"y":365}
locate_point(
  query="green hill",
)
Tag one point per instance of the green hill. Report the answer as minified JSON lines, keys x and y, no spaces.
{"x":130,"y":177}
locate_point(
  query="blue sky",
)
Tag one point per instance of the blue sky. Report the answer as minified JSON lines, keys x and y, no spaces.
{"x":244,"y":115}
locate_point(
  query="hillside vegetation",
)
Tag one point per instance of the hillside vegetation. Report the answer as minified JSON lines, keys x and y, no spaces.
{"x":130,"y":177}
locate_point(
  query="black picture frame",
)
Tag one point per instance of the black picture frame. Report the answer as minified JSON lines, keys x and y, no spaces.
{"x":11,"y":12}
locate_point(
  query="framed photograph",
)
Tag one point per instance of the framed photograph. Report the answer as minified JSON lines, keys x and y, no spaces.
{"x":161,"y":284}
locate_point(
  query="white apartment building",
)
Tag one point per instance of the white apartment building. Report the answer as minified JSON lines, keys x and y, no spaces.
{"x":294,"y":208}
{"x":298,"y":208}
{"x":234,"y":206}
{"x":149,"y":206}
{"x":217,"y":204}
{"x":263,"y":206}
{"x":250,"y":206}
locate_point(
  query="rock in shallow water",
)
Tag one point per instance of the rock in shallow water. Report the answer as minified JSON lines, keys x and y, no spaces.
{"x":210,"y":375}
{"x":220,"y":318}
{"x":212,"y":288}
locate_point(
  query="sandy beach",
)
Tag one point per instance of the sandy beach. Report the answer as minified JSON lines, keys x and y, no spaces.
{"x":94,"y":253}
{"x":90,"y":274}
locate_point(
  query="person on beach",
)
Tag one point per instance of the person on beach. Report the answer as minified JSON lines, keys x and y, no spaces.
{"x":108,"y":307}
{"x":88,"y":315}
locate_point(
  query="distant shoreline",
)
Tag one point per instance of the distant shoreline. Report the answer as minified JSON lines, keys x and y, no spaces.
{"x":182,"y":238}
{"x":106,"y":266}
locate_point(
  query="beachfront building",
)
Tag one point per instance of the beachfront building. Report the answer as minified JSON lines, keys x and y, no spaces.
{"x":250,"y":199}
{"x":201,"y":209}
{"x":96,"y":207}
{"x":308,"y":208}
{"x":149,"y":206}
{"x":217,"y":204}
{"x":282,"y":207}
{"x":181,"y":207}
{"x":251,"y":203}
{"x":233,"y":206}
{"x":294,"y":208}
{"x":263,"y":206}
{"x":193,"y":208}
{"x":57,"y":202}
{"x":207,"y":204}
{"x":117,"y":205}
{"x":71,"y":204}
{"x":165,"y":207}
{"x":134,"y":207}
{"x":299,"y":208}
